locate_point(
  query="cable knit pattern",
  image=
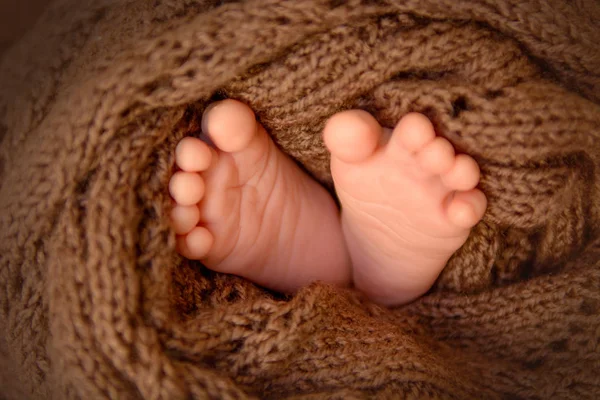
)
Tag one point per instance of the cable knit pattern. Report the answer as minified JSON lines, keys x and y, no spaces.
{"x":96,"y":304}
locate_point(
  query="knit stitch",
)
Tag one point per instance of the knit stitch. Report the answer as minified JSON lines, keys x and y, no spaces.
{"x":95,"y":302}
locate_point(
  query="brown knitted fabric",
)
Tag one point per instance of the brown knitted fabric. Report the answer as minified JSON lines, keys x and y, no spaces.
{"x":94,"y":302}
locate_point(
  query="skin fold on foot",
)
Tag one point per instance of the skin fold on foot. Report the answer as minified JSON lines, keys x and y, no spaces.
{"x":243,"y":207}
{"x":408,"y":202}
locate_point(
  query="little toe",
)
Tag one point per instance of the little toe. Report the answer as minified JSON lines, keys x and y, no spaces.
{"x":184,"y":218}
{"x":437,"y":157}
{"x":192,"y":155}
{"x":230,"y":124}
{"x":467,"y":208}
{"x":412,"y":133}
{"x":196,"y":244}
{"x":352,"y":136}
{"x":186,"y":188}
{"x":464,"y":174}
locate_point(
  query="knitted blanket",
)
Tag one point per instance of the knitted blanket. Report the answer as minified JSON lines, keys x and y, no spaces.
{"x":95,"y":302}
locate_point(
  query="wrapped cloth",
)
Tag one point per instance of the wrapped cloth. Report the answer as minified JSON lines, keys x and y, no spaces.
{"x":94,"y":301}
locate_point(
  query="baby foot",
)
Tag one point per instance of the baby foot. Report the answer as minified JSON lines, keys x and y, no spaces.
{"x":244,"y":208}
{"x":408,"y":202}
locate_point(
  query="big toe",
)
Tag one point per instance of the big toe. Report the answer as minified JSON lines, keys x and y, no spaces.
{"x":230,"y":124}
{"x":352,"y":136}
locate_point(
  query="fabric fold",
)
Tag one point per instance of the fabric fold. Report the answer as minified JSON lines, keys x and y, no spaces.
{"x":95,"y":303}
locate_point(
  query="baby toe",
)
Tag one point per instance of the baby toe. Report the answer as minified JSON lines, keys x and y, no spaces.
{"x":437,"y":156}
{"x":467,"y":208}
{"x":412,"y":133}
{"x":196,"y":244}
{"x":186,"y":188}
{"x":192,"y":155}
{"x":464,"y":174}
{"x":184,"y":218}
{"x":230,"y":124}
{"x":352,"y":136}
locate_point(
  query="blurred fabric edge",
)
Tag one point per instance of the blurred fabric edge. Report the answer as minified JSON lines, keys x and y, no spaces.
{"x":16,"y":17}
